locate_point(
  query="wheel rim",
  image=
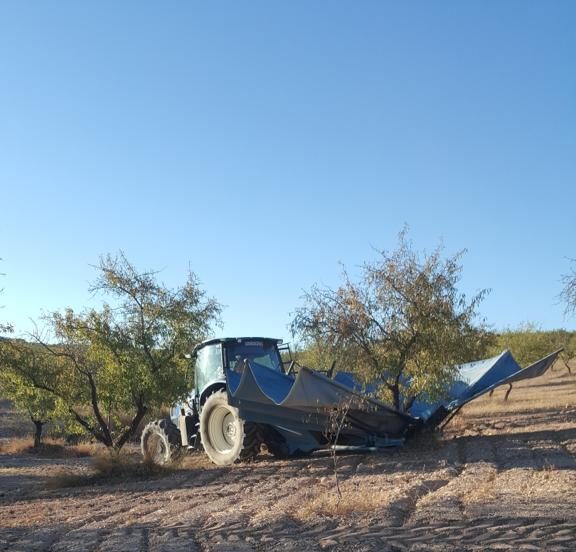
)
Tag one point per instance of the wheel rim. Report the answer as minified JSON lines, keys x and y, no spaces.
{"x":222,"y":429}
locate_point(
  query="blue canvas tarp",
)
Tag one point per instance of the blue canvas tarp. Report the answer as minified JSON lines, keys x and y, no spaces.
{"x":473,"y":378}
{"x":300,"y":408}
{"x":480,"y":377}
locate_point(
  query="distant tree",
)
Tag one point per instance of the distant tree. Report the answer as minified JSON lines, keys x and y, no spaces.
{"x":529,"y":343}
{"x":404,"y":321}
{"x":127,"y":356}
{"x":40,"y":405}
{"x":570,"y":349}
{"x":36,"y":403}
{"x":568,"y":294}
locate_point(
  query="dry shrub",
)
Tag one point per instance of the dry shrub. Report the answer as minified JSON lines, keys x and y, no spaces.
{"x":481,"y":492}
{"x":17,"y":445}
{"x":50,"y":448}
{"x":394,"y":495}
{"x":545,"y":482}
{"x":359,"y":499}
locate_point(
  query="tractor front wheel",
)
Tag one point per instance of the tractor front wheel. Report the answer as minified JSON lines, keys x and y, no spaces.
{"x":161,"y":442}
{"x":226,"y":437}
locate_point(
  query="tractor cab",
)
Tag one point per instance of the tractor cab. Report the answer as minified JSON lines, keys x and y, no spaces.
{"x":214,"y":356}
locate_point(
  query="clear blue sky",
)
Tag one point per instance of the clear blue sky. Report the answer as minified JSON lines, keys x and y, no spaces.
{"x":260,"y":143}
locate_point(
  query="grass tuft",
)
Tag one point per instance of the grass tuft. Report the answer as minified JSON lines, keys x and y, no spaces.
{"x":50,"y":448}
{"x":357,"y":500}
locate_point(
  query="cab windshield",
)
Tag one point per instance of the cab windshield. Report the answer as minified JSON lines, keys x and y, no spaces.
{"x":256,"y":352}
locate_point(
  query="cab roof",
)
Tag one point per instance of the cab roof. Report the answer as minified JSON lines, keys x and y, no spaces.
{"x":234,"y":340}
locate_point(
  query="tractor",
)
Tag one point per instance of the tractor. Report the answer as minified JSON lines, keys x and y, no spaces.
{"x":207,"y":419}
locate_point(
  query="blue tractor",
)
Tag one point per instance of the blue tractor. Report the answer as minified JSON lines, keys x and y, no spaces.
{"x":207,"y":419}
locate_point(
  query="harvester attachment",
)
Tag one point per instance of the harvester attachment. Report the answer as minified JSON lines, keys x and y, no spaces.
{"x":301,"y":409}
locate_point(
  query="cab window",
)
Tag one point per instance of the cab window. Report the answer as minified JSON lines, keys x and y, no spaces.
{"x":256,"y":352}
{"x":208,"y":365}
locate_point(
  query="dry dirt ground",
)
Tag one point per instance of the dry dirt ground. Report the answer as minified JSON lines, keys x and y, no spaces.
{"x":501,"y":477}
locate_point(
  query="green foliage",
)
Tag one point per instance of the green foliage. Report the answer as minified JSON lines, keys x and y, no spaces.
{"x":404,"y":321}
{"x":570,"y":346}
{"x":317,"y":354}
{"x":529,"y":343}
{"x":125,"y":357}
{"x":40,"y":405}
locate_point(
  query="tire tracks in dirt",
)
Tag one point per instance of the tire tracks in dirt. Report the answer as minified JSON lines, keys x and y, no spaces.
{"x":84,"y":522}
{"x":137,"y":525}
{"x":495,"y":533}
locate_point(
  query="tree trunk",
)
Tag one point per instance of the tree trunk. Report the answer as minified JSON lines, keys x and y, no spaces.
{"x":396,"y":396}
{"x":409,"y":402}
{"x":131,"y":429}
{"x":103,"y":437}
{"x":39,"y":425}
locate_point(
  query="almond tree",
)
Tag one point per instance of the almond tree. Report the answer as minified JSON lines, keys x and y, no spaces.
{"x":403,"y":323}
{"x":39,"y":405}
{"x":117,"y":362}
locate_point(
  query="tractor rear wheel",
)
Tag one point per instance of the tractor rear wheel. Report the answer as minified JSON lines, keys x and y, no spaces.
{"x":226,"y":437}
{"x":161,"y":442}
{"x":276,"y":444}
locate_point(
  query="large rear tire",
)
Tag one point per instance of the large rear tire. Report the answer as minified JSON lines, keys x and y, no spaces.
{"x":226,"y":437}
{"x":161,"y":442}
